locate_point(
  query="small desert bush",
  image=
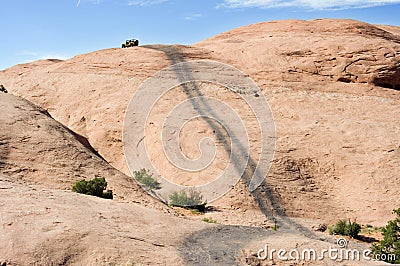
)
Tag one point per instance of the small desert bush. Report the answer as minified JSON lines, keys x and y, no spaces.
{"x":193,"y":199}
{"x":369,"y":229}
{"x":339,"y":228}
{"x":209,"y":220}
{"x":95,"y":187}
{"x":388,"y":249}
{"x":146,"y":178}
{"x":353,"y":229}
{"x":2,"y":89}
{"x":344,"y":228}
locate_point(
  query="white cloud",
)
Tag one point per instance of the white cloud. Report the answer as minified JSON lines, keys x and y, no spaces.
{"x":27,"y":53}
{"x":53,"y":56}
{"x":193,"y":16}
{"x":88,"y":1}
{"x":313,"y":4}
{"x":145,"y":2}
{"x":30,"y":56}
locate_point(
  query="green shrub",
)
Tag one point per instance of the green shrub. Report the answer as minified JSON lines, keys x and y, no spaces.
{"x":108,"y":194}
{"x":182,"y":199}
{"x":209,"y":220}
{"x":146,"y":178}
{"x":344,"y":228}
{"x":369,"y":229}
{"x":339,"y":228}
{"x":2,"y":89}
{"x":352,"y":229}
{"x":94,"y":187}
{"x":388,"y":249}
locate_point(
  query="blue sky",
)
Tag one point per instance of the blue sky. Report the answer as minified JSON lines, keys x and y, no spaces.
{"x":41,"y":29}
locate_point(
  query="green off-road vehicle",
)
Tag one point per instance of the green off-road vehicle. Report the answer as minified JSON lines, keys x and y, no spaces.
{"x":130,"y":43}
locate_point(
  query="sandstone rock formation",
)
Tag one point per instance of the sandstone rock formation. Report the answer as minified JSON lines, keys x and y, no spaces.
{"x":332,"y":85}
{"x":38,"y":150}
{"x":288,"y":52}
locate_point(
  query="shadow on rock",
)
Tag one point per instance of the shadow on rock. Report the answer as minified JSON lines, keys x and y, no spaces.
{"x":219,"y":245}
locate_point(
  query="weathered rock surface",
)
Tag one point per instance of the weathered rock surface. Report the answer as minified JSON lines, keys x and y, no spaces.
{"x":36,"y":149}
{"x":288,"y":52}
{"x":332,"y":85}
{"x":43,"y":223}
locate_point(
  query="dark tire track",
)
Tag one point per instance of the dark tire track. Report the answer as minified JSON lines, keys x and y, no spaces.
{"x":222,"y":244}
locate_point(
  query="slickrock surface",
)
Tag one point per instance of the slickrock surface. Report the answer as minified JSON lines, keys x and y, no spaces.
{"x":334,"y":90}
